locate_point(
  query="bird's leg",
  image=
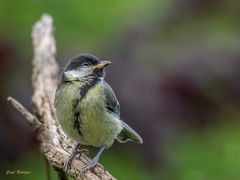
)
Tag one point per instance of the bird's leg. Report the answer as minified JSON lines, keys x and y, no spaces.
{"x":94,"y":161}
{"x":73,"y":153}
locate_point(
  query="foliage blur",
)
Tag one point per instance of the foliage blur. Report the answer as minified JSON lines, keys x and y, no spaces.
{"x":175,"y":71}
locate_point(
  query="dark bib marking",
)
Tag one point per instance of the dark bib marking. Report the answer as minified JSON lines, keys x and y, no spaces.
{"x":76,"y":116}
{"x":89,"y":84}
{"x":76,"y":110}
{"x":77,"y":124}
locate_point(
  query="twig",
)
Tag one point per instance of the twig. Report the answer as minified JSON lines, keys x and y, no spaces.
{"x":54,"y":144}
{"x":32,"y":120}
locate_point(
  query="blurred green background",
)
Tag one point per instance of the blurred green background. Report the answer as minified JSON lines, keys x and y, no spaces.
{"x":175,"y":71}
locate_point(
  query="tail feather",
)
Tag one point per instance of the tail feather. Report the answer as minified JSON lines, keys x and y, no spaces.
{"x":128,"y":134}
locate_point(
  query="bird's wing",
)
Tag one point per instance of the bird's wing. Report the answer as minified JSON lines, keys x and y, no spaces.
{"x":128,"y":134}
{"x":112,"y":105}
{"x":111,"y":101}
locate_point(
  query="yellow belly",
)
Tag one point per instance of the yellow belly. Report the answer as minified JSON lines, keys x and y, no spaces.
{"x":97,"y":125}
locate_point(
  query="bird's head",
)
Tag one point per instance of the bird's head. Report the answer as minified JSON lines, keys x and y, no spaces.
{"x":82,"y":66}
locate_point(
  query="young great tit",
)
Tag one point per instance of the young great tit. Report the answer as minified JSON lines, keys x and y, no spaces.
{"x":87,"y":108}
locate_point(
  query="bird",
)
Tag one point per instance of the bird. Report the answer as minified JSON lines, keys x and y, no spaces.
{"x":88,"y":110}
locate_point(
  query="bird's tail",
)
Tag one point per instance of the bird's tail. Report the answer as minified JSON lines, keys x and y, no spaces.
{"x":128,"y":134}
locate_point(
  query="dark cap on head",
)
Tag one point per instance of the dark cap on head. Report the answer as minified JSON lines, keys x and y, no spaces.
{"x":79,"y":60}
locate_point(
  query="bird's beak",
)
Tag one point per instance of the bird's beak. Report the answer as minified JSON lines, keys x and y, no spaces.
{"x":100,"y":66}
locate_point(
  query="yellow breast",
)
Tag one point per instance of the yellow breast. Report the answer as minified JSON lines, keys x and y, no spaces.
{"x":98,"y":125}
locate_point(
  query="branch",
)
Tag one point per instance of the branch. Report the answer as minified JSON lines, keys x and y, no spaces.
{"x":32,"y":120}
{"x":55,"y":145}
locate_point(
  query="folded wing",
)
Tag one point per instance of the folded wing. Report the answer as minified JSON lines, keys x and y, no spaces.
{"x":128,"y":134}
{"x":112,"y":105}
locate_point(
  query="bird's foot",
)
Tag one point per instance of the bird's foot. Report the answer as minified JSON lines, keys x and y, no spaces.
{"x":84,"y":151}
{"x":91,"y":165}
{"x":94,"y":161}
{"x":75,"y":151}
{"x":100,"y":165}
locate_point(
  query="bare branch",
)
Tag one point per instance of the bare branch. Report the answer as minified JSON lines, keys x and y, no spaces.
{"x":55,"y":145}
{"x":32,"y":120}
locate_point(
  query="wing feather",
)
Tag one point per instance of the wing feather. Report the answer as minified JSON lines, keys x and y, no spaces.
{"x":111,"y":102}
{"x":112,"y":105}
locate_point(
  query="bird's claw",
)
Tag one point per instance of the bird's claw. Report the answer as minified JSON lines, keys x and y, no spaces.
{"x":65,"y":166}
{"x":84,"y":151}
{"x":100,"y":165}
{"x":71,"y":157}
{"x":91,"y":165}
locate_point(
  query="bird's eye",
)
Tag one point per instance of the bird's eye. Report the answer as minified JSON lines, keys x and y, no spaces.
{"x":85,"y":64}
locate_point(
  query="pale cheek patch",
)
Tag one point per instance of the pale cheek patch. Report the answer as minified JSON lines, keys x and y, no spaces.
{"x":72,"y":74}
{"x":75,"y":75}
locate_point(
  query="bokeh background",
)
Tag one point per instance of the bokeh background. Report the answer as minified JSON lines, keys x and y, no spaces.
{"x":175,"y":71}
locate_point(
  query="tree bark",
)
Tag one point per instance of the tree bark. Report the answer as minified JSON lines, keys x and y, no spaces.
{"x":54,"y":144}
